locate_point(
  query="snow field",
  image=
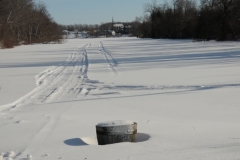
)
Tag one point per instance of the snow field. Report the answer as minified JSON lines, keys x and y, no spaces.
{"x":183,"y":96}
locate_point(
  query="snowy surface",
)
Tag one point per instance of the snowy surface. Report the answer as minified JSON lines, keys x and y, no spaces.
{"x":117,"y":126}
{"x":184,"y":96}
{"x":114,"y":123}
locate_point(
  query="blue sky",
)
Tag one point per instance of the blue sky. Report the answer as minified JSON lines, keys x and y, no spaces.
{"x":95,"y":11}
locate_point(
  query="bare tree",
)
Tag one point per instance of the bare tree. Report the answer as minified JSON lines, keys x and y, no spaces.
{"x":23,"y":20}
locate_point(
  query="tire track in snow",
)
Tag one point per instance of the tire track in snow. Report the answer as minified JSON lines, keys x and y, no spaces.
{"x":71,"y":68}
{"x":51,"y":82}
{"x":78,"y":75}
{"x":68,"y":80}
{"x":108,"y":56}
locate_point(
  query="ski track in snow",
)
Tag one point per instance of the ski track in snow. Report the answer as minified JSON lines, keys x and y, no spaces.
{"x":70,"y":80}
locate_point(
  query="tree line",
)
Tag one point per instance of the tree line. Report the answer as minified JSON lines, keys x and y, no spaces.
{"x":95,"y":30}
{"x":211,"y":19}
{"x":24,"y":21}
{"x":80,"y":27}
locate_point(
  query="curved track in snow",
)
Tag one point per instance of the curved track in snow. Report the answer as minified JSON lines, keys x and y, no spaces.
{"x":56,"y":81}
{"x":108,"y":56}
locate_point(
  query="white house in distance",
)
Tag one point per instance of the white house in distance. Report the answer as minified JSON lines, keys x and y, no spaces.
{"x":122,"y":28}
{"x":118,"y":26}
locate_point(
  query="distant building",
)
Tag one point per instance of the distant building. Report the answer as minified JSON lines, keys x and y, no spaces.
{"x":118,"y":27}
{"x":123,"y":28}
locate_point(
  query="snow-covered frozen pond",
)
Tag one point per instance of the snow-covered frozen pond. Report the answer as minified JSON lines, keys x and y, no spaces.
{"x":183,"y":95}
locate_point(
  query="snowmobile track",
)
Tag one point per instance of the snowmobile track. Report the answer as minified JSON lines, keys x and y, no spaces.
{"x":56,"y":81}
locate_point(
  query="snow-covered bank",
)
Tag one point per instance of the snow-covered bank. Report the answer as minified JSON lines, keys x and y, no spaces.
{"x":183,"y":95}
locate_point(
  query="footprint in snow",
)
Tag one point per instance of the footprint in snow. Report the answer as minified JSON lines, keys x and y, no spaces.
{"x":18,"y":122}
{"x":10,"y":154}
